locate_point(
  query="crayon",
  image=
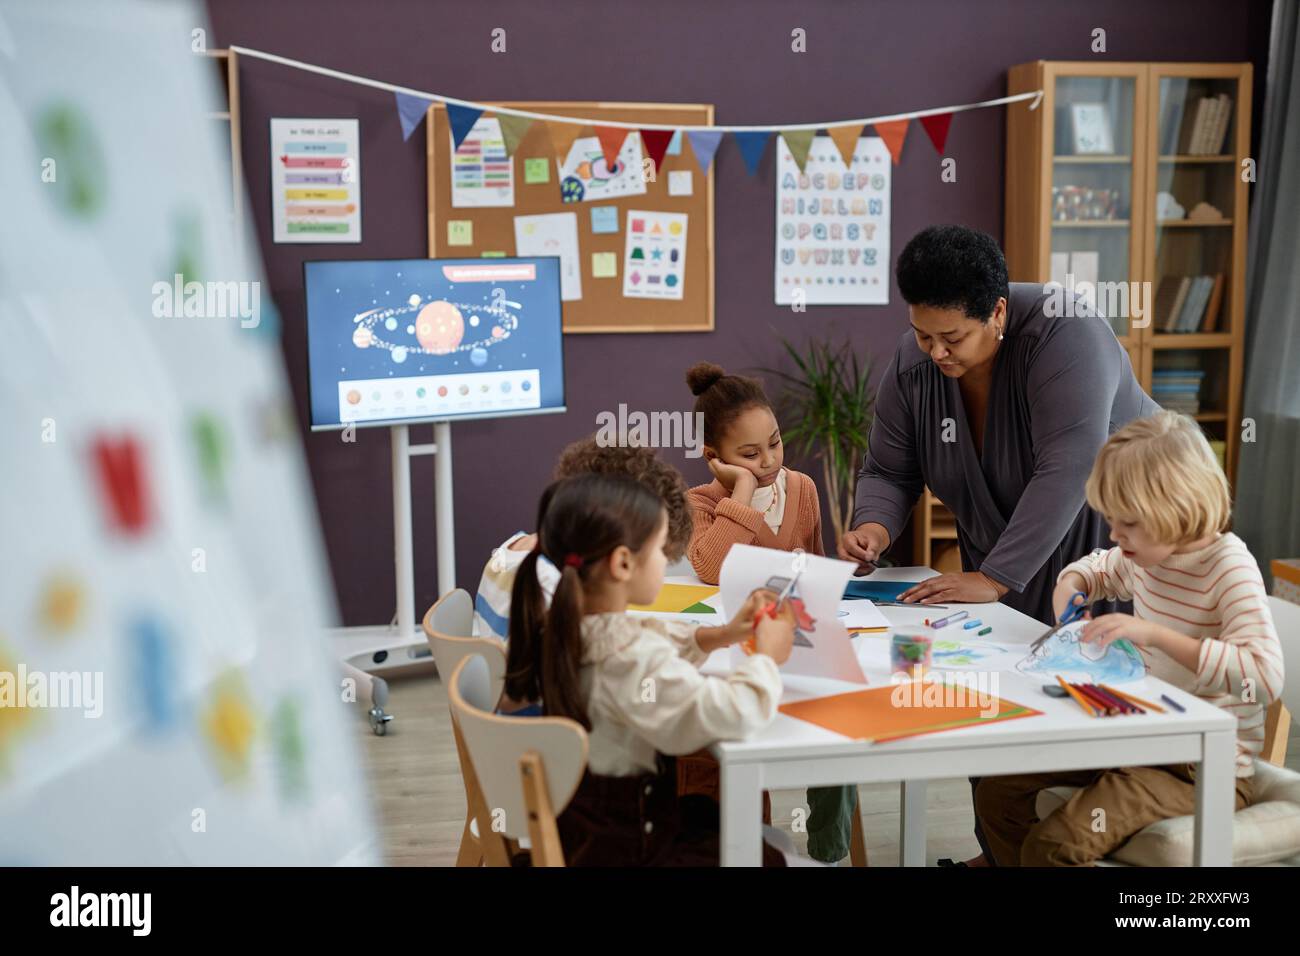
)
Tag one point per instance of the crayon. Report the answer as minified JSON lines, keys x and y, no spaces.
{"x":1173,"y":703}
{"x":969,"y":624}
{"x":987,"y":630}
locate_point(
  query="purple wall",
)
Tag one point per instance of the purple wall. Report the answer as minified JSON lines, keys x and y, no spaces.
{"x":863,"y":59}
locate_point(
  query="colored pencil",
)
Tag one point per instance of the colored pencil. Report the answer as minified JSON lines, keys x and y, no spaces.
{"x":1124,"y":706}
{"x":1173,"y":703}
{"x":1133,"y":700}
{"x":1088,"y":708}
{"x":1107,"y":708}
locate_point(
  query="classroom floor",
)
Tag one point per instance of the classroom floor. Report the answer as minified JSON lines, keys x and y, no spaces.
{"x":419,"y":800}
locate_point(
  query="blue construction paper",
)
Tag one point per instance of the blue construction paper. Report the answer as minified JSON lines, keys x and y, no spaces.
{"x":604,"y":219}
{"x":877,"y":590}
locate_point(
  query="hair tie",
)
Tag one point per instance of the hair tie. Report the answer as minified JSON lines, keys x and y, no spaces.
{"x":572,"y":560}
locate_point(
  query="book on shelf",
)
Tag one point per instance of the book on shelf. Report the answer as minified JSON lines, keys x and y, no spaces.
{"x":1197,"y":297}
{"x":1186,"y":304}
{"x":1221,"y":127}
{"x":1211,"y":321}
{"x":1188,"y":138}
{"x":1204,"y":125}
{"x":1171,"y":114}
{"x":1180,"y":296}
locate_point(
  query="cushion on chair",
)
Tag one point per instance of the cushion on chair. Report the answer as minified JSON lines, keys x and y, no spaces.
{"x":1267,"y":831}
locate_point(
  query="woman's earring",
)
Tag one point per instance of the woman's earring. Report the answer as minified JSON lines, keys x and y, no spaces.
{"x":1000,"y":335}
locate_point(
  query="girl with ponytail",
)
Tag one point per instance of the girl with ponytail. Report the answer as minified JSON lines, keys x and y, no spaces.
{"x":633,"y":683}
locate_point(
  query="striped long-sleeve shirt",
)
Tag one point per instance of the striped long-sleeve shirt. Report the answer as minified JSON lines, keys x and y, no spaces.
{"x":1215,"y":594}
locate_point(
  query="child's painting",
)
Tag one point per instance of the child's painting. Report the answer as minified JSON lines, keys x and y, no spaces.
{"x":1082,"y":663}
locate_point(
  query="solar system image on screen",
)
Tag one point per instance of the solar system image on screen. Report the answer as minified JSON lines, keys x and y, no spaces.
{"x":396,"y":341}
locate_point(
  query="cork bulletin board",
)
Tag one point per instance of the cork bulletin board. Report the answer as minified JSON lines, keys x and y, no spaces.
{"x":603,"y":306}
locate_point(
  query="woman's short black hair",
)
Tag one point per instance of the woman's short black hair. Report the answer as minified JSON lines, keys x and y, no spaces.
{"x":952,"y":267}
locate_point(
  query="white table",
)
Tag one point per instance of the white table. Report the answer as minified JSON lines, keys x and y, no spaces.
{"x":793,"y":754}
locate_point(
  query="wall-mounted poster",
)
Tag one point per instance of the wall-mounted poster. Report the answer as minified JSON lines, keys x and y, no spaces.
{"x":832,"y":225}
{"x":316,"y":180}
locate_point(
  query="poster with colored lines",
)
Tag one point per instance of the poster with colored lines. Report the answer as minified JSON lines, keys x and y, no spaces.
{"x":482,"y":174}
{"x":316,"y":180}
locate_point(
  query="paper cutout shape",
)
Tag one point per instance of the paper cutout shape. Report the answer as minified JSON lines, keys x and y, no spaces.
{"x":825,"y":650}
{"x":611,"y":142}
{"x":604,"y":265}
{"x":656,"y":142}
{"x":846,"y":139}
{"x":124,"y":486}
{"x":799,"y":142}
{"x":513,"y":130}
{"x":537,"y":169}
{"x":460,"y":232}
{"x":681,"y":182}
{"x":604,"y":219}
{"x":229,"y":724}
{"x":751,"y":145}
{"x":563,"y":136}
{"x":155,"y":672}
{"x":875,"y":714}
{"x":675,"y":144}
{"x":288,"y":742}
{"x":677,"y":598}
{"x":210,"y":447}
{"x":461,"y":119}
{"x":1080,"y":663}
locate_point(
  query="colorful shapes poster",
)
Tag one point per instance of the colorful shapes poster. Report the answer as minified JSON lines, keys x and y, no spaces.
{"x":482,"y":173}
{"x":586,"y":176}
{"x":553,"y":234}
{"x":316,"y":180}
{"x":654,"y":258}
{"x":832,"y":225}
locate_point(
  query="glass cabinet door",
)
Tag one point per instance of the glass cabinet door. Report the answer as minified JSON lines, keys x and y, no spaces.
{"x":1093,"y":244}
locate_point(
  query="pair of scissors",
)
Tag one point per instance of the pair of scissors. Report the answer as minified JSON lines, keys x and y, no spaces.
{"x":773,"y":609}
{"x":1071,"y":614}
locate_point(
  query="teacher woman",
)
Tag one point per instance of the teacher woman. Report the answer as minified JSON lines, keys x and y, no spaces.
{"x":998,"y":399}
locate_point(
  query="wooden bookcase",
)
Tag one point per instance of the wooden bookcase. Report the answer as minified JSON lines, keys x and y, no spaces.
{"x":1135,"y":140}
{"x":227,"y":62}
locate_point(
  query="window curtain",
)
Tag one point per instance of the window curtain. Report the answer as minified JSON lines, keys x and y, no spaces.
{"x":1268,"y":471}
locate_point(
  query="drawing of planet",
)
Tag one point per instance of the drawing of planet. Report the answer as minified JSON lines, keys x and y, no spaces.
{"x":478,"y":356}
{"x":399,"y":354}
{"x":362,"y":337}
{"x":497,"y":332}
{"x":439,"y":327}
{"x":354,"y":397}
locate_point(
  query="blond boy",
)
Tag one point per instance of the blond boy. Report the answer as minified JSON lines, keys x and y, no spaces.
{"x":1200,"y":618}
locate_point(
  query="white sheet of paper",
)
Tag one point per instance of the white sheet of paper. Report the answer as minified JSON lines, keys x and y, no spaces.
{"x":861,"y":613}
{"x":586,"y":177}
{"x":315,"y":180}
{"x":553,"y":234}
{"x":681,"y":182}
{"x":481,"y":172}
{"x":819,"y":590}
{"x":654,"y":258}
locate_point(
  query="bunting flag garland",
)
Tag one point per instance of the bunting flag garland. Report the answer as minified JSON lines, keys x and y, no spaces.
{"x":893,"y":132}
{"x":462,"y":120}
{"x":611,"y":141}
{"x":410,"y":111}
{"x":562,"y":137}
{"x":936,"y":126}
{"x":704,"y":143}
{"x":752,"y":143}
{"x":513,"y":129}
{"x":846,"y":140}
{"x":799,"y":141}
{"x":656,"y":144}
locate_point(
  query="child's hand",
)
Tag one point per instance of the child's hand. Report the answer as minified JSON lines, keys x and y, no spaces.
{"x":1068,"y":586}
{"x":733,"y":476}
{"x":775,"y":637}
{"x":1109,"y":628}
{"x":742,"y":625}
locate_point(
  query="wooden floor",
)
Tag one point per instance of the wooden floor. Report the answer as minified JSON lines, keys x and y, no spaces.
{"x":419,"y":800}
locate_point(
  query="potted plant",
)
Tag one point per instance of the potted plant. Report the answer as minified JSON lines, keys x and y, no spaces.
{"x":827,"y":407}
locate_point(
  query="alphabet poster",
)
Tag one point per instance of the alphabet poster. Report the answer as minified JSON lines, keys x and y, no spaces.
{"x":832,"y":225}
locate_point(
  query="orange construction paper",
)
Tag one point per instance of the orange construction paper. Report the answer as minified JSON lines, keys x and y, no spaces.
{"x":873,"y":714}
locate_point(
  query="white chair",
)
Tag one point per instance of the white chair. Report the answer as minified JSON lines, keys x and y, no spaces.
{"x":448,"y":625}
{"x":528,"y":767}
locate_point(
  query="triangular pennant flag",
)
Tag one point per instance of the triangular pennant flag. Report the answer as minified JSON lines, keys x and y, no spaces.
{"x":562,"y":137}
{"x":656,"y":144}
{"x":936,"y":127}
{"x":799,"y":141}
{"x":751,"y":146}
{"x":410,"y":110}
{"x":611,"y":141}
{"x":704,"y":143}
{"x":675,"y":144}
{"x":846,"y":140}
{"x":462,"y":120}
{"x":513,"y":129}
{"x":893,"y":132}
